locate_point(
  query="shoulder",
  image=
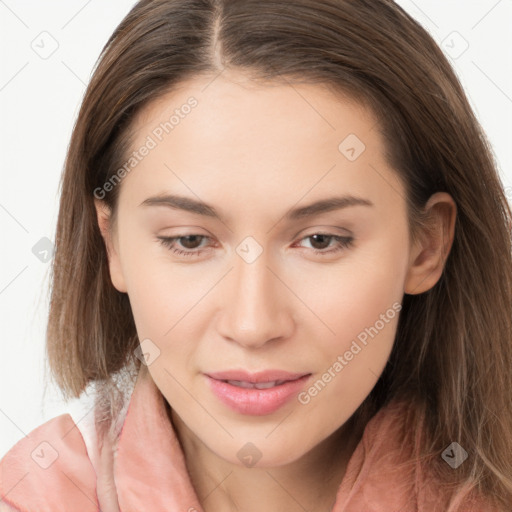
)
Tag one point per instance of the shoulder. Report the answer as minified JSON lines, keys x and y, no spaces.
{"x":391,"y":446}
{"x":49,"y":469}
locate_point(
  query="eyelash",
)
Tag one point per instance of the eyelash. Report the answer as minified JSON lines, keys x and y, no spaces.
{"x":342,"y":243}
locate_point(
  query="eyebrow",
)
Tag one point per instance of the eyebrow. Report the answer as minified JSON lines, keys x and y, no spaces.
{"x":200,"y":208}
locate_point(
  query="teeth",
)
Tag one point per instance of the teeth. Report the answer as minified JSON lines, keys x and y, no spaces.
{"x":257,"y":385}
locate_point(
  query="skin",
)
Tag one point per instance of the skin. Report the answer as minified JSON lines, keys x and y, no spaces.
{"x":254,"y":152}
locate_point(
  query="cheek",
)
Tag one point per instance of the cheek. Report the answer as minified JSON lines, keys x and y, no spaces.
{"x":155,"y":297}
{"x":362,"y":310}
{"x":360,"y":303}
{"x":160,"y":299}
{"x":166,"y":298}
{"x":362,"y":288}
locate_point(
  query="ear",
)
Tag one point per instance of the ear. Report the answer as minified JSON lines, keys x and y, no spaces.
{"x":114,"y":263}
{"x":430,"y":252}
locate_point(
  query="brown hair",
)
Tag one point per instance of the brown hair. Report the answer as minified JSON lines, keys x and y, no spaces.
{"x":452,"y":355}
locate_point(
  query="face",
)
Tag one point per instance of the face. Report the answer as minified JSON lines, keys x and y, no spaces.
{"x":256,"y":287}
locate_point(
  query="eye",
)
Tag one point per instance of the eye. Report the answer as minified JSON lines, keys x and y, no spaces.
{"x":192,"y":248}
{"x":170,"y":243}
{"x":323,"y":239}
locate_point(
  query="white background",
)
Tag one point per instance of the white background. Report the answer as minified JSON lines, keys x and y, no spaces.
{"x":39,"y":99}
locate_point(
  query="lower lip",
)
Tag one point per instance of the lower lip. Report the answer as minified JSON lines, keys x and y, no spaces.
{"x":256,"y":402}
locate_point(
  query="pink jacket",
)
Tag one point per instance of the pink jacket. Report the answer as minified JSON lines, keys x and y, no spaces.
{"x":60,"y":466}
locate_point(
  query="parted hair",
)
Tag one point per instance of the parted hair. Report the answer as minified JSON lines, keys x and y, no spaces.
{"x":452,"y":356}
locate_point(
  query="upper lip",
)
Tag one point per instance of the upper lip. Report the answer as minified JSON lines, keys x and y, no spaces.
{"x":262,"y":376}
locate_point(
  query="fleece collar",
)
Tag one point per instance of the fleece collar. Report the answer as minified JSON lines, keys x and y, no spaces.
{"x":57,"y":469}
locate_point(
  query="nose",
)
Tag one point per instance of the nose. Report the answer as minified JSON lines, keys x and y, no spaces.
{"x":256,"y":305}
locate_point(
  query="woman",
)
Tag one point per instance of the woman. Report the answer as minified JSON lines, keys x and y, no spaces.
{"x":339,"y":338}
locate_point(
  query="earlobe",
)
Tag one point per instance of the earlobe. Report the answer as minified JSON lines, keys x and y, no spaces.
{"x":114,"y":263}
{"x":429,"y":254}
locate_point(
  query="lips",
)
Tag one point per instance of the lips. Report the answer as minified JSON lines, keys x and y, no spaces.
{"x":256,"y":393}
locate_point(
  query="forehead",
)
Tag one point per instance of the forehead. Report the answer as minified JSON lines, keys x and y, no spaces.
{"x":259,"y":142}
{"x":230,"y":101}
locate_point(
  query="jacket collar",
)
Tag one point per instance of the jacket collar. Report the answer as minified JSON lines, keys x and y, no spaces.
{"x":150,"y":470}
{"x":144,"y":468}
{"x":151,"y":474}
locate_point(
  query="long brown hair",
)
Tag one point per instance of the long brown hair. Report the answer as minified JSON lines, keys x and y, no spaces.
{"x":452,"y":357}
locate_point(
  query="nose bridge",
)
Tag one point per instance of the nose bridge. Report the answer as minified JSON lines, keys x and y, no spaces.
{"x":253,"y":311}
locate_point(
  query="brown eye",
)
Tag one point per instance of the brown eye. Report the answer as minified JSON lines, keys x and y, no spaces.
{"x":191,"y":241}
{"x":190,"y":245}
{"x":322,"y":241}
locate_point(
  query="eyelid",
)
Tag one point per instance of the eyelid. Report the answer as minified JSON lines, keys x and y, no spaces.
{"x":321,"y":229}
{"x":324,"y":229}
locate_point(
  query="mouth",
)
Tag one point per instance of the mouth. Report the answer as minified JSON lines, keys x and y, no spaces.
{"x":257,"y":385}
{"x":256,"y":398}
{"x":264,"y":376}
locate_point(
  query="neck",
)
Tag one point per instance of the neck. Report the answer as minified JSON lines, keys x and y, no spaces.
{"x":309,"y":483}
